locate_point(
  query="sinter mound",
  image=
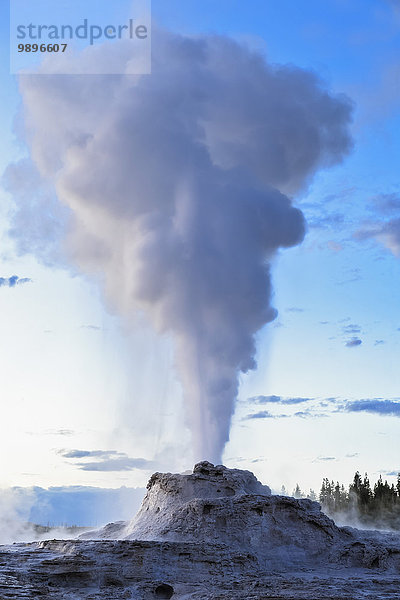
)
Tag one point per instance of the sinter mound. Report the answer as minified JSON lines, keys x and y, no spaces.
{"x":214,"y":534}
{"x":218,"y":505}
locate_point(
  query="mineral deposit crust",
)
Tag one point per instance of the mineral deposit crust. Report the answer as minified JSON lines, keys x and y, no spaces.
{"x":216,"y":533}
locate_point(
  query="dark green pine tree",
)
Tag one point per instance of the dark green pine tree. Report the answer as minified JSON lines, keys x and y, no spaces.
{"x":312,"y":495}
{"x":366,"y":494}
{"x":297,"y":493}
{"x":326,"y":497}
{"x":355,"y":491}
{"x":377,"y":507}
{"x":344,"y":498}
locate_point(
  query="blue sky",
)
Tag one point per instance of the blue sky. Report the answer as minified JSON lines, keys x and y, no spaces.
{"x":75,"y":376}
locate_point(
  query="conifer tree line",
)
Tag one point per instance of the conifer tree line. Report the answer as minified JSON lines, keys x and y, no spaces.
{"x":377,"y":506}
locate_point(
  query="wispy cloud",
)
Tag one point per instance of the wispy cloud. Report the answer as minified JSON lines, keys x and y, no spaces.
{"x":309,"y":414}
{"x":62,"y":432}
{"x":285,"y":401}
{"x":265,"y":414}
{"x":387,"y":232}
{"x":324,"y":458}
{"x":334,"y":246}
{"x":296,"y":400}
{"x":13,"y":281}
{"x":121,"y":463}
{"x":380,"y":407}
{"x":353,"y":342}
{"x":323,"y":408}
{"x":264,"y":399}
{"x":351,"y":328}
{"x":386,"y":204}
{"x":278,"y":400}
{"x":349,"y":280}
{"x":329,"y":221}
{"x":105,"y":460}
{"x":384,"y":226}
{"x":87,"y":453}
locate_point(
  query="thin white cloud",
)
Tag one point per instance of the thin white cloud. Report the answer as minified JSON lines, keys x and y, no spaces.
{"x":105,"y":460}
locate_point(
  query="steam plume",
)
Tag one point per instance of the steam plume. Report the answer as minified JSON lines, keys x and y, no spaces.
{"x":176,"y":184}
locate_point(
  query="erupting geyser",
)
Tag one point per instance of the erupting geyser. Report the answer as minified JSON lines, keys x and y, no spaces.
{"x":175,"y":187}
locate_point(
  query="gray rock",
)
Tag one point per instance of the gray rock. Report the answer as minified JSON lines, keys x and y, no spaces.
{"x":217,"y":533}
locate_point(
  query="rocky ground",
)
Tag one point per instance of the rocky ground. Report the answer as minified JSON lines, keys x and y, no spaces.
{"x":214,"y":534}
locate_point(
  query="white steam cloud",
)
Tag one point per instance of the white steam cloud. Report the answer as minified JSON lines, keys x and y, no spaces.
{"x":175,"y":183}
